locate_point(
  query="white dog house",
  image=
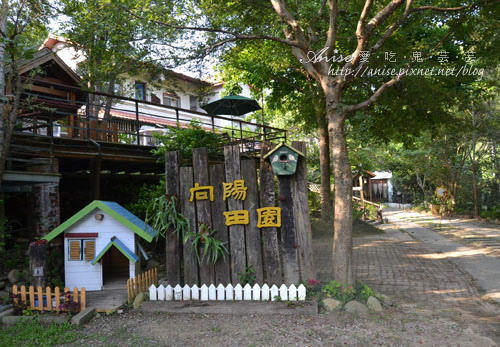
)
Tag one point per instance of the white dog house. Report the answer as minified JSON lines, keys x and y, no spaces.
{"x":101,"y":245}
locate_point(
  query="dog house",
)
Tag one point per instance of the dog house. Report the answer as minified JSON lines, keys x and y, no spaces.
{"x":102,"y":245}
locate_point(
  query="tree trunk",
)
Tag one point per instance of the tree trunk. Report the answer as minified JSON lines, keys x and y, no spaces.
{"x":342,"y":242}
{"x":474,"y":189}
{"x":3,"y":114}
{"x":495,"y":161}
{"x":109,"y":101}
{"x":324,"y":168}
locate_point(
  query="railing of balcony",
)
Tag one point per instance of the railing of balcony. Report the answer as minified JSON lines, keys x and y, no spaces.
{"x":125,"y":120}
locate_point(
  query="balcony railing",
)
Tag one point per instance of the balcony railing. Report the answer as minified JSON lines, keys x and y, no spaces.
{"x":125,"y":120}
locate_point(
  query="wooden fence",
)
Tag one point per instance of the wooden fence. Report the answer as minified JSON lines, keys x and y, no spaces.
{"x":141,"y":283}
{"x":228,"y":293}
{"x":50,"y":300}
{"x":250,"y":243}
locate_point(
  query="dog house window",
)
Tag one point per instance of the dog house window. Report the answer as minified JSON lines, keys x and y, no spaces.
{"x":81,"y":249}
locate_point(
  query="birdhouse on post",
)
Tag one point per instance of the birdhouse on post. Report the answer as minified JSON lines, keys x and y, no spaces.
{"x":284,"y":159}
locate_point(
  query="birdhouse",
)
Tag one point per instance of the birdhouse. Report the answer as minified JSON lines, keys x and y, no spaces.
{"x":284,"y":159}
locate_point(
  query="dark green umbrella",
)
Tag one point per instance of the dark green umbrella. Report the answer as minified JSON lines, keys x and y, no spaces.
{"x":234,"y":105}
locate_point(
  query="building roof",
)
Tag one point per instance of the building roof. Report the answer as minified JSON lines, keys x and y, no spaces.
{"x":382,"y":175}
{"x":52,"y":40}
{"x":120,"y":246}
{"x":283,"y":145}
{"x":115,"y":210}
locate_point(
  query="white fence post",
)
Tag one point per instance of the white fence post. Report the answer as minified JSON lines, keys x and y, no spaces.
{"x":292,"y":293}
{"x":152,"y":292}
{"x":186,"y":292}
{"x":256,"y":292}
{"x":177,"y":292}
{"x":212,"y":295}
{"x":265,"y":292}
{"x":204,"y":292}
{"x":161,"y":292}
{"x":247,"y":292}
{"x":238,"y":292}
{"x":220,"y":292}
{"x":283,"y":293}
{"x":274,"y":292}
{"x":169,"y":293}
{"x":195,"y":292}
{"x":301,"y":292}
{"x":229,"y":292}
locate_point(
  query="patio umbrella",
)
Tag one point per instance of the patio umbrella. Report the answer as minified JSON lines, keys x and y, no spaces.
{"x":234,"y":105}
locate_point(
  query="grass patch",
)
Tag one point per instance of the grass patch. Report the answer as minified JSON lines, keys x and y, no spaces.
{"x":32,"y":333}
{"x":321,"y":229}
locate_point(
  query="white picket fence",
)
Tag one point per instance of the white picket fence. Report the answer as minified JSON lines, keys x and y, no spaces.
{"x":228,"y":293}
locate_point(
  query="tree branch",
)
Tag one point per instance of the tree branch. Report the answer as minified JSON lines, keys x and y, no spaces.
{"x":331,"y":36}
{"x":293,"y":43}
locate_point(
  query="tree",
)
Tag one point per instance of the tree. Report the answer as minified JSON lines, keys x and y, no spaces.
{"x":292,"y":95}
{"x":21,"y":21}
{"x":331,"y":43}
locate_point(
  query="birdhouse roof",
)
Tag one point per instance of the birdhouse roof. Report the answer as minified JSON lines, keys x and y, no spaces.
{"x":115,"y":210}
{"x":281,"y":146}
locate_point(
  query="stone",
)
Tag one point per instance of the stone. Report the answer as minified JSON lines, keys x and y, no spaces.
{"x":13,"y":276}
{"x":50,"y":319}
{"x":332,"y":304}
{"x":4,"y":295}
{"x":11,"y":320}
{"x":152,"y":264}
{"x":138,"y":300}
{"x":8,"y":312}
{"x":386,"y":300}
{"x":356,"y":308}
{"x":374,"y":305}
{"x":83,"y":317}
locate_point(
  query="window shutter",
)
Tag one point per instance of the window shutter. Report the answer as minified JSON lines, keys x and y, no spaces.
{"x":89,"y":249}
{"x":74,"y":250}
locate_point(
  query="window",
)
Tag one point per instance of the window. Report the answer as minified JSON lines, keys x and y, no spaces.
{"x":170,"y":99}
{"x":117,"y":89}
{"x":155,"y":99}
{"x":81,"y":249}
{"x":140,"y":90}
{"x":193,"y":102}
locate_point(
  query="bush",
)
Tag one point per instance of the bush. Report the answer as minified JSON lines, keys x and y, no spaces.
{"x":186,"y":139}
{"x":360,"y":292}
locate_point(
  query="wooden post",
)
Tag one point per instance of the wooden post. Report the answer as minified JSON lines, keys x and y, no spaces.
{"x":288,"y":236}
{"x":83,"y":299}
{"x":302,"y":218}
{"x":203,"y":214}
{"x":218,"y":207}
{"x":172,"y":244}
{"x":236,"y":232}
{"x":38,"y":263}
{"x":252,"y":233}
{"x":272,"y":266}
{"x":188,"y":210}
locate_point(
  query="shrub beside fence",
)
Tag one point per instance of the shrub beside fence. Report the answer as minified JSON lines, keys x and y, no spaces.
{"x":228,"y":293}
{"x":50,"y":300}
{"x":141,"y":283}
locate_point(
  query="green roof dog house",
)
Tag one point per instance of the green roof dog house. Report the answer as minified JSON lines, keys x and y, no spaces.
{"x":101,"y":245}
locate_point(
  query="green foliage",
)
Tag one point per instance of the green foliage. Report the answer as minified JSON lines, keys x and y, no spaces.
{"x":247,"y":275}
{"x":186,"y":139}
{"x":360,"y":292}
{"x":163,"y":216}
{"x":32,"y":333}
{"x":205,"y":243}
{"x":145,"y":195}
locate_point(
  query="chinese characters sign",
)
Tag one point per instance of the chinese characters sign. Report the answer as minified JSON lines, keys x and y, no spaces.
{"x":267,"y":216}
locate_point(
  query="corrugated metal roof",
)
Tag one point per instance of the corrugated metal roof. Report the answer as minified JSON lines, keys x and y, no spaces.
{"x":380,"y":175}
{"x":122,"y":211}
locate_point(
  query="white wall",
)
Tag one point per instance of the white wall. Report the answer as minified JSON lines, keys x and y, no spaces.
{"x":83,"y":273}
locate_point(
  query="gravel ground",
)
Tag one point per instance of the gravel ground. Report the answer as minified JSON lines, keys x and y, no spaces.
{"x":405,"y":325}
